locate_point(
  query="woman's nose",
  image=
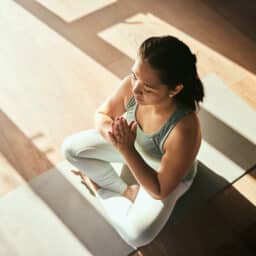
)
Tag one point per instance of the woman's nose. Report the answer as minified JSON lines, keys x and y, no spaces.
{"x":137,"y":88}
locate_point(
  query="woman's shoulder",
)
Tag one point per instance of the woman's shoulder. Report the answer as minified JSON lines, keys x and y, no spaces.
{"x":188,"y":127}
{"x":190,"y":123}
{"x":187,"y":131}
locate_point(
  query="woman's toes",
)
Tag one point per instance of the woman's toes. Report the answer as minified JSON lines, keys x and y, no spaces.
{"x":74,"y":171}
{"x":86,"y":180}
{"x":131,"y":192}
{"x":78,"y":173}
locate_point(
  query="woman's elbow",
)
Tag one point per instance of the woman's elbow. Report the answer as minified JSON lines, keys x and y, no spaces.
{"x":157,"y":196}
{"x":160,"y":197}
{"x":163,"y":194}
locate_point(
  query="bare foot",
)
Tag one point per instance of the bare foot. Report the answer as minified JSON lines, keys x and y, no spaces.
{"x":94,"y":187}
{"x":131,"y":192}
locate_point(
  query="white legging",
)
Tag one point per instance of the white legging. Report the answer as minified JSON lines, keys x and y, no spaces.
{"x":138,"y":223}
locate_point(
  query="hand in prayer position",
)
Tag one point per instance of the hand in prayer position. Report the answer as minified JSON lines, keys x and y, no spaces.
{"x":123,"y":135}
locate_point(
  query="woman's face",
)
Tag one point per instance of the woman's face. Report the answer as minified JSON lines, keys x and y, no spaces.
{"x":146,"y":85}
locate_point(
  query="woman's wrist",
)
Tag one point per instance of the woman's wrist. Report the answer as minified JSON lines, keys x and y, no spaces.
{"x":128,"y":151}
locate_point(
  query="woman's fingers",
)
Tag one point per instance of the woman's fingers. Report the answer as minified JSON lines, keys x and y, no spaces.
{"x":112,"y":137}
{"x":120,"y":127}
{"x":115,"y":129}
{"x":121,"y":130}
{"x":133,"y":126}
{"x":124,"y":126}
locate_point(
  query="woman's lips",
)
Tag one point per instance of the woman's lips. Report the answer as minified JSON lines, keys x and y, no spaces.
{"x":137,"y":98}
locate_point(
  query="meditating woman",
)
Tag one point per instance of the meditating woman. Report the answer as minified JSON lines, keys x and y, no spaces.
{"x":150,"y":124}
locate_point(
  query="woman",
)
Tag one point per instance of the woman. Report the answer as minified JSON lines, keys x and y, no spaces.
{"x":150,"y":124}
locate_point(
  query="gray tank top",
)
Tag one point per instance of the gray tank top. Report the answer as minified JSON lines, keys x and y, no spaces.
{"x":150,"y":146}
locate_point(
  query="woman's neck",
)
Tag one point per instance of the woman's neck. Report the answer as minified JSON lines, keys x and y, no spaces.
{"x":164,"y":107}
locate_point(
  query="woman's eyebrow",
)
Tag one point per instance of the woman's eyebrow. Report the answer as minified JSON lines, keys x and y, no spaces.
{"x":148,"y":85}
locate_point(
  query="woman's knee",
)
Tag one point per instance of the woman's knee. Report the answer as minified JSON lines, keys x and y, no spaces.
{"x":84,"y":141}
{"x":67,"y":148}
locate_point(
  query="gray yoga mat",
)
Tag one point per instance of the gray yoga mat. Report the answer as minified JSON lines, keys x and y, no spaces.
{"x":54,"y":214}
{"x":228,"y":127}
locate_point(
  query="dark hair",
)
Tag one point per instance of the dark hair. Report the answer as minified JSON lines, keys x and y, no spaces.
{"x":175,"y":64}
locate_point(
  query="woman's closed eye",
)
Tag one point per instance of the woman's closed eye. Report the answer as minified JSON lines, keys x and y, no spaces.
{"x":146,"y":91}
{"x":135,"y":78}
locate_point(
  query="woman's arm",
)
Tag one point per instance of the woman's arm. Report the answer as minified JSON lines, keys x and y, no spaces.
{"x":143,"y":173}
{"x":112,"y":107}
{"x":180,"y":150}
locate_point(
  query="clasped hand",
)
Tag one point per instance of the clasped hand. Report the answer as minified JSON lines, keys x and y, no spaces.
{"x":123,"y":134}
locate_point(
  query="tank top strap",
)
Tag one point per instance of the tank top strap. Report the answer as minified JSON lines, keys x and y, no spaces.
{"x":131,"y":103}
{"x":170,"y":124}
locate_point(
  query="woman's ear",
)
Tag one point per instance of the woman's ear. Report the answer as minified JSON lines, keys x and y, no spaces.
{"x":177,"y":89}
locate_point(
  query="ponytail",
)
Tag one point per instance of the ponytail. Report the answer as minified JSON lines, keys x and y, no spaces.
{"x":192,"y":93}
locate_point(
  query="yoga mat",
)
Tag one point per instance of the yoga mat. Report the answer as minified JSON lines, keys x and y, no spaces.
{"x":54,"y":214}
{"x":228,"y":128}
{"x":228,"y":148}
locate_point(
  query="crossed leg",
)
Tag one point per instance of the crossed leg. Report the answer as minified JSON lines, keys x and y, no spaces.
{"x":130,"y":193}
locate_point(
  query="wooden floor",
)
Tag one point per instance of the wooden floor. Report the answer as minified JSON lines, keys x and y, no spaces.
{"x":58,"y":62}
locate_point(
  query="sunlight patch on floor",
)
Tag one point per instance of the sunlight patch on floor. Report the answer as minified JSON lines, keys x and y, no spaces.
{"x":45,"y":79}
{"x":126,"y":36}
{"x":70,"y":11}
{"x":247,"y":187}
